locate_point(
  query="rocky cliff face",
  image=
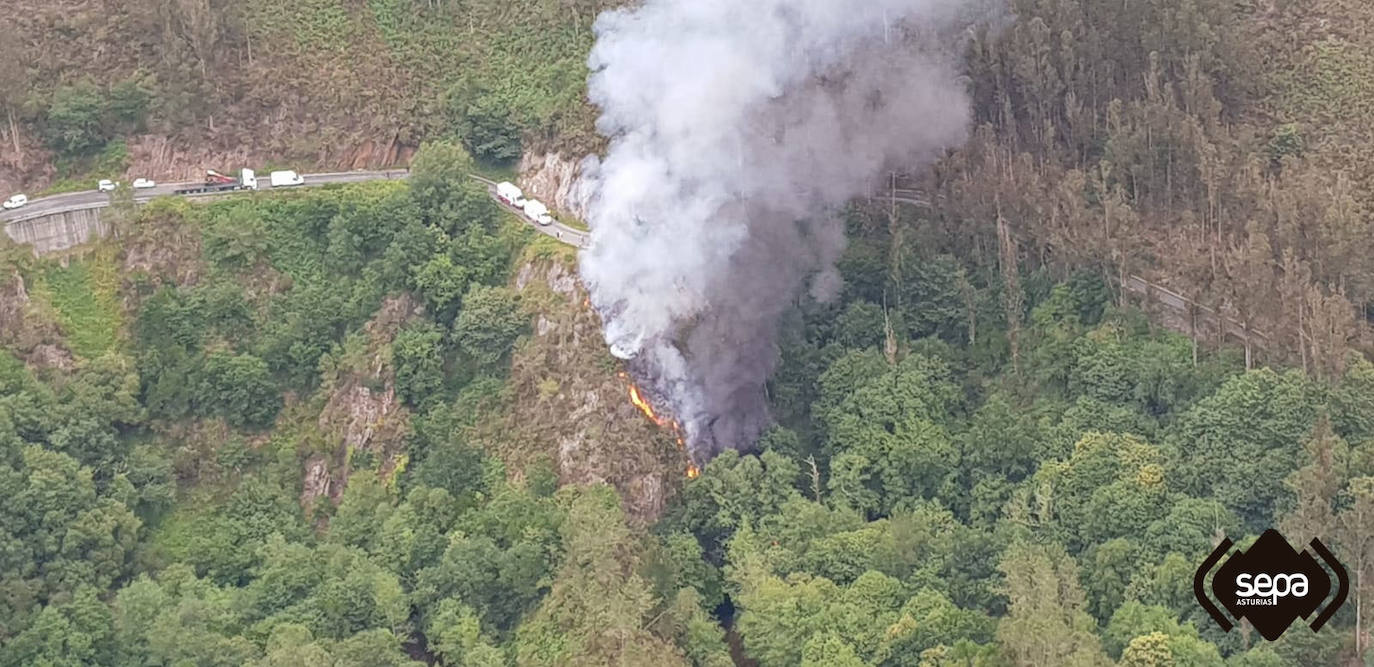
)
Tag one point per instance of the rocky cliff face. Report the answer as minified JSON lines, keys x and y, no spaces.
{"x":572,"y":406}
{"x":552,"y":178}
{"x":27,"y":329}
{"x":362,"y":412}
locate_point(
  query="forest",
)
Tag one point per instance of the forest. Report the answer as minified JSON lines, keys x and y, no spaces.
{"x":288,"y":429}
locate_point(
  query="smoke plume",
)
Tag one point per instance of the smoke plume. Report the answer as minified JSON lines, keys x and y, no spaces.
{"x":737,"y":129}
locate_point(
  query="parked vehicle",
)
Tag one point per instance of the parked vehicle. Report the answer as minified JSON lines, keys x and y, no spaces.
{"x":217,"y":182}
{"x":537,"y":212}
{"x":14,"y":202}
{"x":106,"y":185}
{"x":507,"y":192}
{"x":144,"y":183}
{"x":281,"y":179}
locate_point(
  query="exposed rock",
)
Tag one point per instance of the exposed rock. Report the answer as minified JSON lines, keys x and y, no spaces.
{"x":161,"y":158}
{"x":51,"y":356}
{"x":26,"y":329}
{"x":363,"y":412}
{"x":315,"y":482}
{"x":574,"y":409}
{"x":551,"y":178}
{"x":357,"y":417}
{"x":165,"y":248}
{"x":389,"y":319}
{"x":14,"y":302}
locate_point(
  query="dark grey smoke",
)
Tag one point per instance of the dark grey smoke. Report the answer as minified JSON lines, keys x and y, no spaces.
{"x":737,"y":129}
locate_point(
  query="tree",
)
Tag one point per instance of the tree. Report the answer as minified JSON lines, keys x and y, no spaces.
{"x":417,"y":356}
{"x":74,"y":122}
{"x":1109,"y":487}
{"x":366,"y":505}
{"x":378,"y":647}
{"x":445,"y":195}
{"x":13,"y":83}
{"x":861,"y":326}
{"x":455,"y":635}
{"x":1355,"y":534}
{"x":1046,"y":623}
{"x":489,"y":323}
{"x":239,"y":388}
{"x":1239,"y":444}
{"x":1176,"y":643}
{"x":293,"y":645}
{"x":441,"y":451}
{"x":442,"y":284}
{"x":128,"y":105}
{"x":498,"y":561}
{"x":1316,"y":485}
{"x":1106,"y":573}
{"x":734,"y":490}
{"x":829,"y":650}
{"x":1150,"y":650}
{"x":483,"y":120}
{"x":596,"y":610}
{"x":75,"y":632}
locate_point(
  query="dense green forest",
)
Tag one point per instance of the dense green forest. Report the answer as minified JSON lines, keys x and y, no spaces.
{"x":304,"y":429}
{"x":926,"y":500}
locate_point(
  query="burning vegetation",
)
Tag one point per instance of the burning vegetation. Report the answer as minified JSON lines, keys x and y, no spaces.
{"x":663,"y":422}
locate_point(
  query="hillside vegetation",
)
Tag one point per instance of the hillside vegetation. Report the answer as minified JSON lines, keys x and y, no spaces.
{"x":373,"y":425}
{"x":1216,"y":147}
{"x":376,"y":424}
{"x":171,"y":88}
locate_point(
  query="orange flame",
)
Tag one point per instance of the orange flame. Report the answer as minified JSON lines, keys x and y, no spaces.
{"x":648,"y":410}
{"x":643,"y":405}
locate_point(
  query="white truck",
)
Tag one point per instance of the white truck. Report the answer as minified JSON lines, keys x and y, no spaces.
{"x":507,"y":192}
{"x":281,"y":179}
{"x":536,"y":211}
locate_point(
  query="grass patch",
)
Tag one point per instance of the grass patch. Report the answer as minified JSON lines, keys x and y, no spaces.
{"x":544,"y":247}
{"x":84,"y":295}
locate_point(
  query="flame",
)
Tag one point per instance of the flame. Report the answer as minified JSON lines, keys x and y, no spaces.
{"x":648,"y":410}
{"x":643,"y":405}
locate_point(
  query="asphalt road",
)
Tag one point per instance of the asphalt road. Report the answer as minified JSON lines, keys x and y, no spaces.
{"x":558,"y":230}
{"x":85,"y":199}
{"x":94,"y":199}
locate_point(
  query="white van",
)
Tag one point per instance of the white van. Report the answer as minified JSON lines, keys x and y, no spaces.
{"x":282,"y":179}
{"x":507,"y":192}
{"x":536,"y":211}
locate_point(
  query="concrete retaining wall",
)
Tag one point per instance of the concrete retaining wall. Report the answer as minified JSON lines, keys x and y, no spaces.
{"x":58,"y":231}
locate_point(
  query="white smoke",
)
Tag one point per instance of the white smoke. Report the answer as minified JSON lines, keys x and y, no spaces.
{"x":737,"y":127}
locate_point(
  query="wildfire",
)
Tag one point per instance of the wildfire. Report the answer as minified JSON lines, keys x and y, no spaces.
{"x":643,"y":405}
{"x":648,"y":410}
